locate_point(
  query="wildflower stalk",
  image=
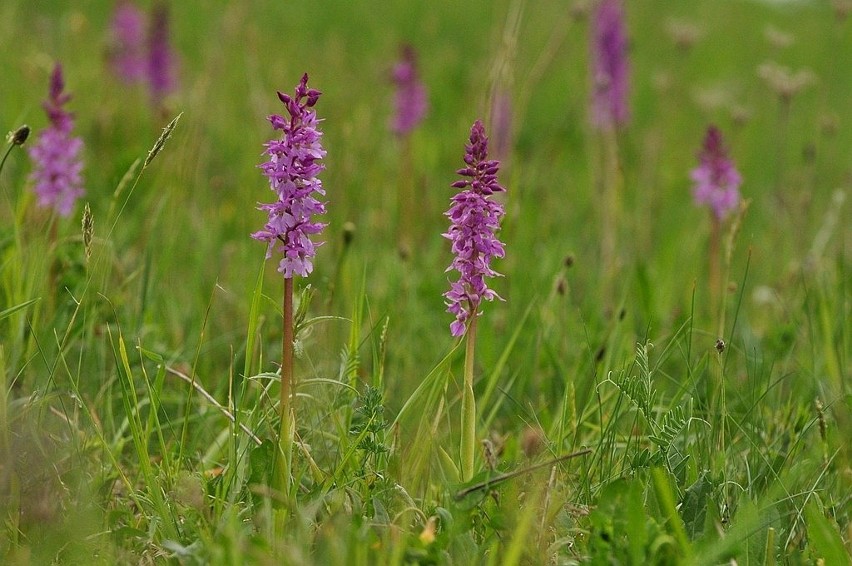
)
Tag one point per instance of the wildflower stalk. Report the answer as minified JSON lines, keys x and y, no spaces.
{"x":406,"y":217}
{"x":468,"y":420}
{"x":288,"y":414}
{"x":714,"y":276}
{"x":410,"y":106}
{"x":610,"y":216}
{"x":609,"y":112}
{"x":717,"y":184}
{"x":474,"y":219}
{"x":292,"y":171}
{"x":733,"y":232}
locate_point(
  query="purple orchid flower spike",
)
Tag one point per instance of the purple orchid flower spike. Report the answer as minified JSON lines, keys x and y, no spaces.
{"x":717,"y":181}
{"x":58,"y":165}
{"x":161,"y":58}
{"x":410,"y":102}
{"x":292,"y":169}
{"x":610,"y":67}
{"x":474,"y":220}
{"x":128,"y":43}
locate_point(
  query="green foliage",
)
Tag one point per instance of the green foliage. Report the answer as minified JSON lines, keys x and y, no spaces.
{"x":622,"y":532}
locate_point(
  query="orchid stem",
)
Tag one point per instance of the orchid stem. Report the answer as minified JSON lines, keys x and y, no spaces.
{"x":285,"y":438}
{"x":468,"y":424}
{"x":714,"y":275}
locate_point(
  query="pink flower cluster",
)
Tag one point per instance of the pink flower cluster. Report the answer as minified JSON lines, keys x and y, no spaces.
{"x":474,"y":220}
{"x":410,"y":102}
{"x":610,"y":67}
{"x":717,"y":181}
{"x":140,"y":50}
{"x":56,"y":176}
{"x":292,"y":171}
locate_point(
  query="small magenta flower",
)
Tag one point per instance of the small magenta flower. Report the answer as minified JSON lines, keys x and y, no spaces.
{"x":717,"y":181}
{"x":474,"y":220}
{"x":128,"y":43}
{"x":610,"y":67}
{"x":56,"y":176}
{"x":410,"y":102}
{"x":292,"y":171}
{"x":161,"y":59}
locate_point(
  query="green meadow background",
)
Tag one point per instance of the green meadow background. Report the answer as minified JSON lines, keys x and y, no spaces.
{"x":117,"y":370}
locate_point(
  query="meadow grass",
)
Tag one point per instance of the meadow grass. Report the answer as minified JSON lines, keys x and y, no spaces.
{"x":139,"y":373}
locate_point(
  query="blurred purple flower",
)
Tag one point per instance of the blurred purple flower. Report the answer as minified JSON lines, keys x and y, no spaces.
{"x":56,"y":175}
{"x":292,"y":171}
{"x":127,"y":43}
{"x":610,"y":67}
{"x":501,"y":122}
{"x":716,"y":179}
{"x":161,"y":59}
{"x":410,"y":102}
{"x":474,"y":220}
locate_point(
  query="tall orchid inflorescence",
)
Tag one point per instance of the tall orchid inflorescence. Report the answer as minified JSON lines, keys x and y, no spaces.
{"x":610,"y":67}
{"x":127,"y":43}
{"x":410,"y":102}
{"x":292,"y":171}
{"x":140,"y":51}
{"x":474,"y":220}
{"x":161,"y":59}
{"x":56,"y":156}
{"x":717,"y":181}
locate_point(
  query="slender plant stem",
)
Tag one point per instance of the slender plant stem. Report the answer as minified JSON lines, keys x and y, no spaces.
{"x":406,"y":223}
{"x":53,"y":271}
{"x":285,"y":439}
{"x":468,"y":424}
{"x":723,"y":408}
{"x":610,"y":217}
{"x":721,"y":413}
{"x":714,"y":276}
{"x":5,"y":155}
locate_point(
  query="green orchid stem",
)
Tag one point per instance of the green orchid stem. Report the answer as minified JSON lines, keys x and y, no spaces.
{"x":715,"y":283}
{"x":610,"y":218}
{"x":407,"y":222}
{"x":288,"y":417}
{"x":468,"y":424}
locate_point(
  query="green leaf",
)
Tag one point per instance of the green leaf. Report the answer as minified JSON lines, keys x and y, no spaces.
{"x":261,"y":461}
{"x":666,"y":501}
{"x":620,"y":526}
{"x":634,"y":514}
{"x":12,"y":310}
{"x":824,"y":538}
{"x":693,"y":509}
